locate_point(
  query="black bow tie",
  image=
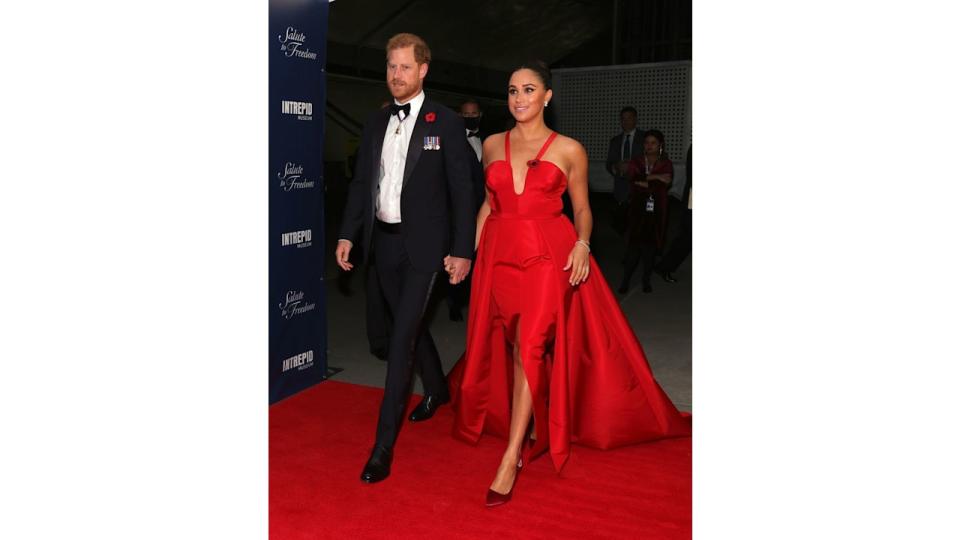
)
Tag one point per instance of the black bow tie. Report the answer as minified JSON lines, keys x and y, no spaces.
{"x":395,"y":109}
{"x":473,"y":134}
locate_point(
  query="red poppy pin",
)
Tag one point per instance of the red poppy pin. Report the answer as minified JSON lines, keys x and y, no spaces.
{"x":430,"y":117}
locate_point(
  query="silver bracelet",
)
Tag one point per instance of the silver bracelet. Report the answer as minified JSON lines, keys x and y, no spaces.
{"x":584,"y":243}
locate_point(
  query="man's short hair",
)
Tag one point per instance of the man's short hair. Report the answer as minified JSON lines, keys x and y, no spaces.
{"x":420,"y":49}
{"x":471,"y":100}
{"x":628,"y":109}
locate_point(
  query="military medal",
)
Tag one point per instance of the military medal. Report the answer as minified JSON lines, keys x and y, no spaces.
{"x":431,"y":143}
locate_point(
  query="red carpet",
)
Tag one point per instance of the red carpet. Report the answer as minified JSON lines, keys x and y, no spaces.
{"x":321,"y":438}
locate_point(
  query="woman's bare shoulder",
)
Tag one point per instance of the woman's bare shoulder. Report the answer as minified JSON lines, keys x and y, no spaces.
{"x":570,"y":147}
{"x":493,"y":139}
{"x":493,"y":146}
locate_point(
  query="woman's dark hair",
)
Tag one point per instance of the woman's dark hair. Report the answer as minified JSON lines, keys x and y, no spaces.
{"x":540,"y":68}
{"x":658,"y":135}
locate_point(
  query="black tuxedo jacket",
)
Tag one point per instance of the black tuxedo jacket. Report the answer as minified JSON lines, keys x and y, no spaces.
{"x":437,"y":207}
{"x":616,"y":144}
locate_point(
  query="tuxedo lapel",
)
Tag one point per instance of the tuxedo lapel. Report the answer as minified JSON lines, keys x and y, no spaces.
{"x":420,"y":130}
{"x":379,"y":132}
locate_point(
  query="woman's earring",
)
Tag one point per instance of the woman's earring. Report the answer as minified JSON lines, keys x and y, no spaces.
{"x":545,"y":103}
{"x":661,"y":150}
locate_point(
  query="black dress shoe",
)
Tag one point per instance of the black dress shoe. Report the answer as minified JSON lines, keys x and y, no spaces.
{"x":455,"y":315}
{"x":624,"y":287}
{"x":426,"y":408}
{"x":378,"y":466}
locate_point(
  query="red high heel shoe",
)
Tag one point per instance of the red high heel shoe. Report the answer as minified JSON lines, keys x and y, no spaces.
{"x":496,"y":499}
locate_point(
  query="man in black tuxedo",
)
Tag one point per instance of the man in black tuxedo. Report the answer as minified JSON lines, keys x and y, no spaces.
{"x":411,"y":206}
{"x":627,"y":144}
{"x":458,"y":295}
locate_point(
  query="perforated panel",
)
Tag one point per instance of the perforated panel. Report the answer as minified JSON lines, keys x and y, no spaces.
{"x":588,"y":103}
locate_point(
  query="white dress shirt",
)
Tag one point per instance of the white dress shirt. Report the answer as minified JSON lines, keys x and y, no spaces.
{"x":393,"y":159}
{"x":476,"y":145}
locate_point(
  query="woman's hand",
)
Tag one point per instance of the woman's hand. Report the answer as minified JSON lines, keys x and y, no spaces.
{"x":579,"y":262}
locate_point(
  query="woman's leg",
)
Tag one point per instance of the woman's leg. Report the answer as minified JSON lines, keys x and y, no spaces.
{"x":519,"y":420}
{"x":648,"y":254}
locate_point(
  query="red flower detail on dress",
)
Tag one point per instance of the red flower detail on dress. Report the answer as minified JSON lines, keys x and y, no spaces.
{"x":430,"y":117}
{"x":533,"y":163}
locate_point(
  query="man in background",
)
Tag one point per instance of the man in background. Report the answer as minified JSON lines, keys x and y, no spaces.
{"x":624,"y":146}
{"x":459,"y":295}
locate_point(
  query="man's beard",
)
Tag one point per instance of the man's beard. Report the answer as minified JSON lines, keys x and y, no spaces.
{"x":402,"y":90}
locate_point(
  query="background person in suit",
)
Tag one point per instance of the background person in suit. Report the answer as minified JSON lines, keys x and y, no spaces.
{"x":623,"y":147}
{"x":472,"y":117}
{"x":412,"y":207}
{"x":459,"y":295}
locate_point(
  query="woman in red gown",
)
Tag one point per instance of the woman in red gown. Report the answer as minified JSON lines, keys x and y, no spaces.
{"x":547,"y":341}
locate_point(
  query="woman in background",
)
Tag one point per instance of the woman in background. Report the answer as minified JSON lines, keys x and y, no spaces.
{"x":651,"y":175}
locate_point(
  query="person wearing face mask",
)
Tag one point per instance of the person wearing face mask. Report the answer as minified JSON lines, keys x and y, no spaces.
{"x":550,"y":357}
{"x":471,"y":114}
{"x":459,"y":295}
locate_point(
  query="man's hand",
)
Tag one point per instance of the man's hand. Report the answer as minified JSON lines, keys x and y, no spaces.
{"x":343,"y":255}
{"x":457,"y":267}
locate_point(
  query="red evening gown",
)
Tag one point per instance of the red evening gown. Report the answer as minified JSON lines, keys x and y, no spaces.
{"x":587,"y":373}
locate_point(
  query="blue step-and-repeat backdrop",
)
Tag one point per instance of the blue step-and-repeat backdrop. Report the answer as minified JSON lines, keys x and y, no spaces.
{"x":298,"y":317}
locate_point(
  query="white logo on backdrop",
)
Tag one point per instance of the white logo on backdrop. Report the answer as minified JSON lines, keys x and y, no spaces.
{"x":301,"y":239}
{"x":292,"y":177}
{"x":299,"y":362}
{"x":292,"y":44}
{"x":303,"y":109}
{"x":294,"y":305}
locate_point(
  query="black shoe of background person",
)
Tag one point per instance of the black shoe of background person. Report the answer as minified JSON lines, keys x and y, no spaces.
{"x":427,"y":407}
{"x":624,"y":287}
{"x":378,"y":466}
{"x":379,"y":352}
{"x":667,"y":276}
{"x":455,"y":315}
